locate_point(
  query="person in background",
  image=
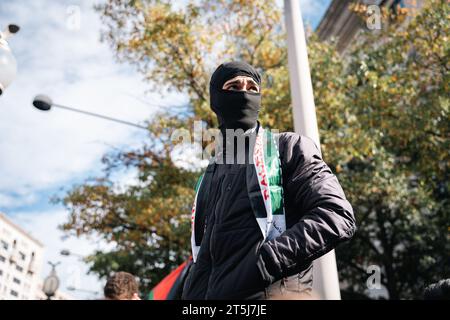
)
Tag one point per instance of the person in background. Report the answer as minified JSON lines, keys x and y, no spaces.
{"x":121,"y":286}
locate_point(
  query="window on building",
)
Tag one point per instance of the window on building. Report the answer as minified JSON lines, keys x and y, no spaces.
{"x":15,"y":280}
{"x":32,"y":265}
{"x":22,"y":255}
{"x":2,"y":258}
{"x":19,"y":268}
{"x":4,"y":244}
{"x":1,"y":272}
{"x":14,"y":293}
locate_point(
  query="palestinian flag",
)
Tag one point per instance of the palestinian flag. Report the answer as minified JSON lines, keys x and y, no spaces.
{"x":171,"y":286}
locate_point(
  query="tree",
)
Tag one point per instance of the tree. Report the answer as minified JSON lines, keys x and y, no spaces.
{"x":383,"y":121}
{"x":148,"y":222}
{"x":399,"y":93}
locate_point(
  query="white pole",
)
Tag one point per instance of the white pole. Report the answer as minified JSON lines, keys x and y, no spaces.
{"x":325,"y":276}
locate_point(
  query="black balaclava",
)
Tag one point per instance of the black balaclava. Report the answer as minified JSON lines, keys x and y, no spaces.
{"x":234,"y":109}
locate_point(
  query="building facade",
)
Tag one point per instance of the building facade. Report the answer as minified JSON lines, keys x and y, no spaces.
{"x":20,"y":262}
{"x":340,"y":23}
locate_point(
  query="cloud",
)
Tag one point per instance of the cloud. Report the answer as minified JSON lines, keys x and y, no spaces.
{"x":9,"y":200}
{"x":41,"y":150}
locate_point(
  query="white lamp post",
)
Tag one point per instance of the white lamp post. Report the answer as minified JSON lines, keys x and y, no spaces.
{"x":8,"y":65}
{"x":51,"y":282}
{"x":325,"y":276}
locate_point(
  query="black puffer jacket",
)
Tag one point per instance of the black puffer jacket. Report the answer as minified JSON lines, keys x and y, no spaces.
{"x":234,"y":262}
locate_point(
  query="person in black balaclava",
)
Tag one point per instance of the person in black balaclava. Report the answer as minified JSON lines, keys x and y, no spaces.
{"x":235,"y":95}
{"x":232,"y":258}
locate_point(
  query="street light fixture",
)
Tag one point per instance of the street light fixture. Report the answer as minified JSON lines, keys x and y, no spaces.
{"x":94,"y":294}
{"x":65,"y":252}
{"x":71,"y":288}
{"x":51,"y":283}
{"x":8,"y":65}
{"x":44,"y":103}
{"x":68,"y":253}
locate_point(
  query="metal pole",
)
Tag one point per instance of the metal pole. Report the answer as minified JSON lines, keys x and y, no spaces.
{"x":44,"y":103}
{"x":100,"y":116}
{"x":325,"y":277}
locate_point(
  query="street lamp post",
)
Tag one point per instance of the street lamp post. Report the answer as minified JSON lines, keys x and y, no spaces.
{"x":8,"y":65}
{"x":93,"y":294}
{"x":51,"y":283}
{"x":68,"y":253}
{"x":326,"y":282}
{"x":44,"y":103}
{"x":71,"y":288}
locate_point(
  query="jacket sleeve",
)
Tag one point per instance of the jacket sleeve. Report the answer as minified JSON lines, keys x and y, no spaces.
{"x":318,"y":214}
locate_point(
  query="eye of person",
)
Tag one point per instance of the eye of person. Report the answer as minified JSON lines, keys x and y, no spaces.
{"x":253,"y":88}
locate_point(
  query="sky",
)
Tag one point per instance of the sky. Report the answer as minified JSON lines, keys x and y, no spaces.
{"x":44,"y":153}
